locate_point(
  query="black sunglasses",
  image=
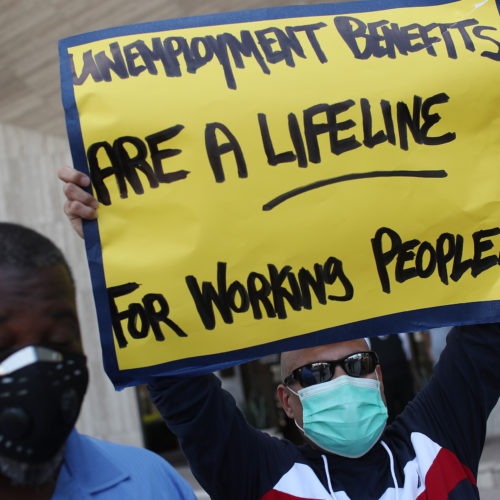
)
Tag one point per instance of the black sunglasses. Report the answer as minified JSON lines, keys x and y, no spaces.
{"x":357,"y":364}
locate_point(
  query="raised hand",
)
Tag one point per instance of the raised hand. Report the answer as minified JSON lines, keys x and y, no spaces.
{"x":79,"y":203}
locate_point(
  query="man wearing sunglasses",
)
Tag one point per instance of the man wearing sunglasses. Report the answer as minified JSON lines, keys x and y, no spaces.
{"x":334,"y":393}
{"x":337,"y":402}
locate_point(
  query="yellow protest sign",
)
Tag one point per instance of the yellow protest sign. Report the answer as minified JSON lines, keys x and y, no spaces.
{"x":276,"y":178}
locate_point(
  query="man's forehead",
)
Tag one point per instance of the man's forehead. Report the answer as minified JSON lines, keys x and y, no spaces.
{"x":36,"y":295}
{"x":328,"y":352}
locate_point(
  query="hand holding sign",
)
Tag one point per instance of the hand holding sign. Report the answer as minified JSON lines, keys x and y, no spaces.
{"x":79,"y":204}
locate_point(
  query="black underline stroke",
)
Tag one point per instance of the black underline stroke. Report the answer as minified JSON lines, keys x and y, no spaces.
{"x":434,"y":174}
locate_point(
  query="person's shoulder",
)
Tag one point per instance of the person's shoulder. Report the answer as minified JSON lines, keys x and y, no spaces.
{"x":123,"y":450}
{"x":134,"y":459}
{"x":140,"y":468}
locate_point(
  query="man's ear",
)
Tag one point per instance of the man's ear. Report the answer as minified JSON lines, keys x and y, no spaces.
{"x":381,"y":380}
{"x":284,"y":398}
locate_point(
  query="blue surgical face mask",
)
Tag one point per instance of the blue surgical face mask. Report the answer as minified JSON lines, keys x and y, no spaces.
{"x":345,"y":416}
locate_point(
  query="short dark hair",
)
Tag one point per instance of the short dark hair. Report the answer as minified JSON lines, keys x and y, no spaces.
{"x":24,"y":248}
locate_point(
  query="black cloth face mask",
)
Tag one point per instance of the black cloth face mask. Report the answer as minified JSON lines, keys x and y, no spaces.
{"x":41,"y":393}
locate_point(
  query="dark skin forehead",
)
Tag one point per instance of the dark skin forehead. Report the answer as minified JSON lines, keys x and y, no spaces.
{"x":330,"y":352}
{"x":38,"y":307}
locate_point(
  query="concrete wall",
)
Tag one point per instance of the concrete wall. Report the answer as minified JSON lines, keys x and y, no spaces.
{"x":493,"y":429}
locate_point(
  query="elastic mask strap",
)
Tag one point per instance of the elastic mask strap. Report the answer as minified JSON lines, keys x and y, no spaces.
{"x":295,"y":421}
{"x":298,"y":426}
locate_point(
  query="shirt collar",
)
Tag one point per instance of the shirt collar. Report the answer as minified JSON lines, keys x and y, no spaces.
{"x":89,"y":465}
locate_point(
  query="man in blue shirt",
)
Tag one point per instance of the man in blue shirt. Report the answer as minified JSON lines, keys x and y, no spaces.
{"x":43,"y":380}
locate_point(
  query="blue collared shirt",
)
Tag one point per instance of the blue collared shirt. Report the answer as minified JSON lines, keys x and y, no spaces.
{"x":109,"y":471}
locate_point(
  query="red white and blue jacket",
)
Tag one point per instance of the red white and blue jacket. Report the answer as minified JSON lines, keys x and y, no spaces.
{"x":431,"y":451}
